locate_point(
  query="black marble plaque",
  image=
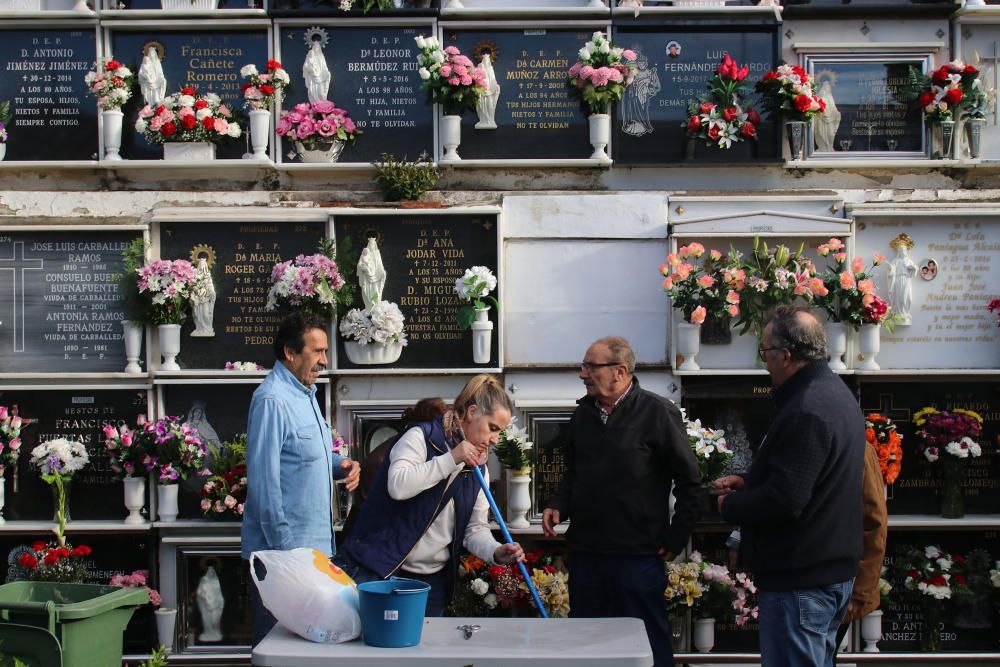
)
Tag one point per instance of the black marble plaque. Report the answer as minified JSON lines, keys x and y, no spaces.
{"x":74,"y":414}
{"x":423,"y":256}
{"x":918,"y":488}
{"x":157,"y":4}
{"x":208,"y":61}
{"x":53,"y":118}
{"x":374,"y":79}
{"x":675,"y":64}
{"x":241,"y":256}
{"x":548,"y":432}
{"x":325,"y":8}
{"x":535,"y":115}
{"x":60,"y":307}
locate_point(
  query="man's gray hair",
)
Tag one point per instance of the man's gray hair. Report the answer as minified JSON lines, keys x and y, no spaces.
{"x":798,"y":330}
{"x":621,"y":351}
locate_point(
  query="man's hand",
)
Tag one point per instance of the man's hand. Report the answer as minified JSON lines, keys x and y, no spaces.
{"x":467,"y":453}
{"x":550,"y":519}
{"x":508,"y":553}
{"x":728,"y":484}
{"x":854,"y":609}
{"x":353,"y":476}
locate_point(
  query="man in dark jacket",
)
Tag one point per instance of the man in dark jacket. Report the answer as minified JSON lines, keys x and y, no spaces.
{"x":625,"y":448}
{"x":799,"y":507}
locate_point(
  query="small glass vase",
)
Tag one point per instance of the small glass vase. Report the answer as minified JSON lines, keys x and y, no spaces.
{"x":67,"y":486}
{"x":952,"y":496}
{"x":930,"y":633}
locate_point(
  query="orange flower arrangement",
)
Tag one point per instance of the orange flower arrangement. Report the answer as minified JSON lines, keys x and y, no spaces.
{"x":881,"y":434}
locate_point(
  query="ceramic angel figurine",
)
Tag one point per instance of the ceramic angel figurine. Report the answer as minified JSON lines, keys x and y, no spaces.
{"x":152,"y":82}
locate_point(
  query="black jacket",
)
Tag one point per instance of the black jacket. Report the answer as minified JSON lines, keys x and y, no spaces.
{"x":617,"y":483}
{"x":800,"y":513}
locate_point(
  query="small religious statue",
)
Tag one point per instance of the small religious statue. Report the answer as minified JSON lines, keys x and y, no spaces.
{"x":825,"y":125}
{"x":635,"y":119}
{"x":371,"y":273}
{"x":197,"y":418}
{"x":203,"y":301}
{"x":491,"y":95}
{"x":902,"y":270}
{"x":151,"y":80}
{"x":316,"y":73}
{"x":210,"y":605}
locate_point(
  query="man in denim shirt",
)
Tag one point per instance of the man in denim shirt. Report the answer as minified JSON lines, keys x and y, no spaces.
{"x":290,"y":461}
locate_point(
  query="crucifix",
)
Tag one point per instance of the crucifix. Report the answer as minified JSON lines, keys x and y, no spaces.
{"x":886,"y":409}
{"x":17,"y":265}
{"x":995,"y":59}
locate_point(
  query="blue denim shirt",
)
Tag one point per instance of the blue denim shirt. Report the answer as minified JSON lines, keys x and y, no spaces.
{"x":290,"y":468}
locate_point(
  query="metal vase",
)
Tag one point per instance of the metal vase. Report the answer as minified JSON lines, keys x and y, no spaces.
{"x":796,"y":130}
{"x":974,"y":135}
{"x":947,"y":137}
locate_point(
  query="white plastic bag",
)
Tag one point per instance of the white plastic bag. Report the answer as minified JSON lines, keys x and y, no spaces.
{"x":308,"y":594}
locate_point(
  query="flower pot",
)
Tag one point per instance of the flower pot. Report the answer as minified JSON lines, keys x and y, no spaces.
{"x":166,"y":501}
{"x":166,"y":620}
{"x":947,"y":136}
{"x":260,"y":132}
{"x":482,"y":336}
{"x":3,"y":498}
{"x":688,"y":344}
{"x":679,"y":636}
{"x":133,"y":346}
{"x":67,"y":487}
{"x":451,"y":136}
{"x":952,"y":496}
{"x":189,"y":151}
{"x":372,"y":353}
{"x":871,"y":631}
{"x":135,"y":498}
{"x":836,"y":344}
{"x":690,"y":148}
{"x":3,"y":150}
{"x":974,"y":135}
{"x":112,"y":130}
{"x":704,"y":634}
{"x":796,"y":131}
{"x":868,"y":347}
{"x":170,"y":346}
{"x":930,"y":627}
{"x":325,"y":152}
{"x":600,"y":135}
{"x":518,"y":499}
{"x":190,"y":5}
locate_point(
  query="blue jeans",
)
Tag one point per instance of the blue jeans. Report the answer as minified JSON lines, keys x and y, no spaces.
{"x":799,"y":628}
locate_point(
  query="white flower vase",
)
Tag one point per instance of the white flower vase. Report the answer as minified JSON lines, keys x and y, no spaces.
{"x":688,"y":344}
{"x":482,"y":336}
{"x":704,"y":634}
{"x":868,"y":347}
{"x":836,"y":344}
{"x":600,"y":135}
{"x":260,"y":132}
{"x":3,"y":150}
{"x":135,"y":498}
{"x":166,"y":620}
{"x":112,"y":129}
{"x":3,"y":498}
{"x":372,"y":353}
{"x":871,"y":631}
{"x":451,"y":136}
{"x":170,"y":346}
{"x":133,"y":332}
{"x":166,"y":501}
{"x":189,"y":151}
{"x":518,"y":499}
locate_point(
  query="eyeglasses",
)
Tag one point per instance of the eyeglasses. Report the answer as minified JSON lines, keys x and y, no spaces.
{"x":762,"y":350}
{"x":589,"y":367}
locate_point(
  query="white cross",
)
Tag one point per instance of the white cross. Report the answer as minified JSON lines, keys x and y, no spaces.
{"x":995,"y":59}
{"x":17,"y":265}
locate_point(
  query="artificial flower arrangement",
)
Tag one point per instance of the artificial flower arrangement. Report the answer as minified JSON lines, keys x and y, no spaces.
{"x":166,"y":285}
{"x":698,"y":290}
{"x":848,"y":287}
{"x":262,"y":90}
{"x":225,"y":492}
{"x":111,"y":83}
{"x":243,"y":366}
{"x":745,"y":602}
{"x":316,"y":125}
{"x":187,"y":116}
{"x":55,"y":561}
{"x":173,"y":449}
{"x":948,"y":435}
{"x":928,"y":573}
{"x":601,"y":74}
{"x":382,"y":324}
{"x":883,"y":435}
{"x":498,"y":590}
{"x":709,"y":590}
{"x":10,"y":438}
{"x":126,"y":451}
{"x":450,"y":78}
{"x":57,"y":461}
{"x":366,"y":5}
{"x":4,"y":120}
{"x":790,"y":91}
{"x":718,"y":117}
{"x":512,"y":448}
{"x":994,"y":307}
{"x":339,"y":444}
{"x":946,"y":91}
{"x":309,"y":282}
{"x":884,"y":588}
{"x":879,"y":313}
{"x":475,"y":286}
{"x":710,"y":449}
{"x":138,"y":579}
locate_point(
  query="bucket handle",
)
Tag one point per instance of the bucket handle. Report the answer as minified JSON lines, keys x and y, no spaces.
{"x":407,"y":591}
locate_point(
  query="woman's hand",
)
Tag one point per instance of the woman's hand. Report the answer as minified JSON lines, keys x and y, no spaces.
{"x":508,"y":553}
{"x":469,"y":454}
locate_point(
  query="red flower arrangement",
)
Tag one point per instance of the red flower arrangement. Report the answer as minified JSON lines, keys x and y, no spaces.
{"x":882,"y":434}
{"x":496,"y":590}
{"x":50,"y":561}
{"x":995,"y":307}
{"x":947,"y":90}
{"x":718,"y":117}
{"x":790,"y":91}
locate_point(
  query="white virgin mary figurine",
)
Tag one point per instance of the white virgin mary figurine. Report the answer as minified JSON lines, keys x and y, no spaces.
{"x":371,"y":274}
{"x":825,"y":125}
{"x":902,"y":270}
{"x":316,"y":74}
{"x":210,"y":606}
{"x":491,"y":95}
{"x":203,"y":301}
{"x":152,"y":83}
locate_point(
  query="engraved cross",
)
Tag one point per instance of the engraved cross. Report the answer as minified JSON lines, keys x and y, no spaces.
{"x":17,"y":265}
{"x":886,"y":409}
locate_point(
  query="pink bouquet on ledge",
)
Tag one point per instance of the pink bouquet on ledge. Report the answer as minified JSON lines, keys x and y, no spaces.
{"x":166,"y":287}
{"x":111,"y":83}
{"x":450,"y":78}
{"x":187,"y":116}
{"x":699,"y":291}
{"x":719,"y":117}
{"x":601,"y":74}
{"x":848,"y":291}
{"x":10,"y":438}
{"x":124,"y":450}
{"x":317,"y":125}
{"x":262,"y":90}
{"x":138,"y":579}
{"x":790,"y":91}
{"x":312,"y":283}
{"x":173,"y":449}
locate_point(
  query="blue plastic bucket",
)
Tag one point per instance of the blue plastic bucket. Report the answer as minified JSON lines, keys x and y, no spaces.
{"x":392,"y":611}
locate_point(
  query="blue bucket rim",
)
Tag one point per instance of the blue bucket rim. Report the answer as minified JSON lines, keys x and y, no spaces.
{"x":418,"y":586}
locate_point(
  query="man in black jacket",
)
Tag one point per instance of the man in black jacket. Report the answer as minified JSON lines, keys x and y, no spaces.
{"x":624,"y":448}
{"x":799,"y":507}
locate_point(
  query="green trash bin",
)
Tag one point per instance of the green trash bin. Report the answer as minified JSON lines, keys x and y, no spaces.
{"x":87,"y":619}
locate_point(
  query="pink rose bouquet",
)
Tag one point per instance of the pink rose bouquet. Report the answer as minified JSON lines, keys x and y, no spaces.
{"x":125,"y":451}
{"x":111,"y":83}
{"x":718,"y":117}
{"x":262,"y":90}
{"x":312,"y":283}
{"x":696,"y":289}
{"x":317,"y":125}
{"x":790,"y":91}
{"x":10,"y":438}
{"x":187,"y":116}
{"x":450,"y":78}
{"x":848,"y":290}
{"x":166,"y":287}
{"x":601,"y":74}
{"x":138,"y":579}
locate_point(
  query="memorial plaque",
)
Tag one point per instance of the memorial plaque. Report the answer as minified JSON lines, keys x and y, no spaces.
{"x":157,"y":4}
{"x":423,"y":256}
{"x":53,"y":118}
{"x":870,"y":95}
{"x":235,"y":624}
{"x":743,"y":408}
{"x":208,"y":61}
{"x":535,"y":116}
{"x":675,"y":65}
{"x":60,"y":307}
{"x":548,"y":431}
{"x":74,"y":414}
{"x":241,"y":256}
{"x":375,"y":80}
{"x":326,"y":8}
{"x":918,"y":488}
{"x":729,"y":637}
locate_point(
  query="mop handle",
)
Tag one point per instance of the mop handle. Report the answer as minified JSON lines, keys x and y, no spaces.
{"x":510,"y":540}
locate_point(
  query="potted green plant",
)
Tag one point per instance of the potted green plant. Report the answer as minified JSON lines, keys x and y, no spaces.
{"x":405,"y":180}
